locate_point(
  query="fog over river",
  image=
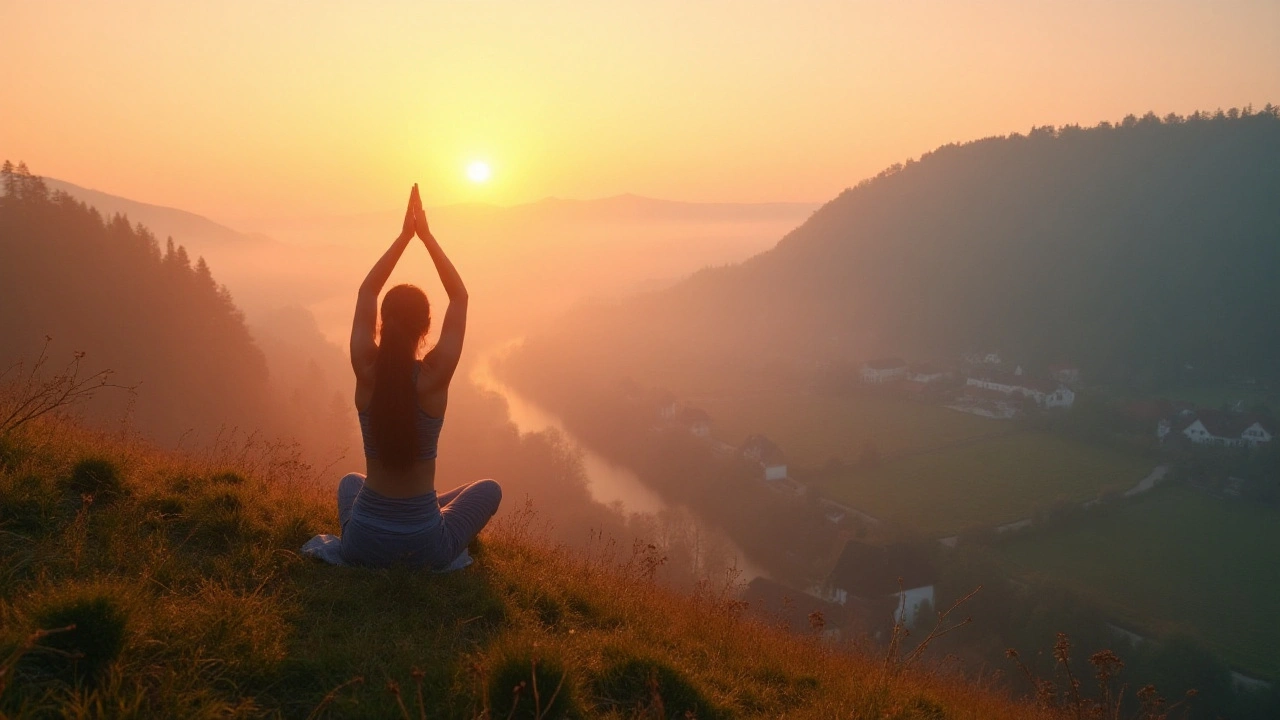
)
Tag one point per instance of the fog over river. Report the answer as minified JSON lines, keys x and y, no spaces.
{"x":609,"y":483}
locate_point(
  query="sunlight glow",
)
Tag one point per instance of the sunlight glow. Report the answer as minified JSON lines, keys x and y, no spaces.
{"x":478,"y":172}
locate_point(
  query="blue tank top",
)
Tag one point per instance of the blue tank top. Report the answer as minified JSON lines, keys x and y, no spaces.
{"x":426,"y":427}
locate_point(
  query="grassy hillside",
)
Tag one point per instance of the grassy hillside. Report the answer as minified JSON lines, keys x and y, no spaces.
{"x":189,"y":599}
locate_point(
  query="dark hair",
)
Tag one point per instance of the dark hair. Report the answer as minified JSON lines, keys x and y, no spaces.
{"x":406,"y":315}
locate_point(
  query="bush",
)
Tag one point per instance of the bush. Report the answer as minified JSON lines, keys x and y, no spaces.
{"x":637,"y":683}
{"x":228,"y":478}
{"x":83,"y":653}
{"x":29,"y":506}
{"x":98,"y":477}
{"x":512,"y":683}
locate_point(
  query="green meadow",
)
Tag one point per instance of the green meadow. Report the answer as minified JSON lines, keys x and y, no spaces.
{"x":1175,"y":560}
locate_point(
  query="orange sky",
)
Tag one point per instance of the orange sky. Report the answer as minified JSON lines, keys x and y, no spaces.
{"x":252,"y":109}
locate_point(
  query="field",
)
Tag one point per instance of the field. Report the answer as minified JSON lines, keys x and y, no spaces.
{"x":985,"y":483}
{"x":811,"y":429}
{"x":942,"y":470}
{"x":1213,"y":396}
{"x":1177,"y":560}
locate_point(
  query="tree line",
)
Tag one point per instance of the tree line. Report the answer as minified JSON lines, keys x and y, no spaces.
{"x":108,"y":288}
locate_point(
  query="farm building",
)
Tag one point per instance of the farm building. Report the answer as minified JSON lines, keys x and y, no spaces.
{"x":696,"y":420}
{"x":925,"y":373}
{"x":871,"y":573}
{"x":1045,"y":393}
{"x":764,"y":451}
{"x":878,"y":371}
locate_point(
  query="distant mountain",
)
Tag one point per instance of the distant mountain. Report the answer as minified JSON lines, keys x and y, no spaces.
{"x":1134,"y":250}
{"x":262,"y":274}
{"x":527,"y":263}
{"x":195,"y":231}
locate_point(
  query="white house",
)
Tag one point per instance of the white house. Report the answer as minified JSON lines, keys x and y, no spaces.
{"x":1214,"y":427}
{"x":879,"y":371}
{"x":871,"y":573}
{"x":979,"y":358}
{"x":1045,"y":393}
{"x":910,"y":603}
{"x":925,"y":373}
{"x":1063,"y":397}
{"x":764,"y":451}
{"x":697,"y":421}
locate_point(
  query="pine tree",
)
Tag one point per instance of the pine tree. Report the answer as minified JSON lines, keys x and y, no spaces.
{"x":205,"y":275}
{"x":10,"y":184}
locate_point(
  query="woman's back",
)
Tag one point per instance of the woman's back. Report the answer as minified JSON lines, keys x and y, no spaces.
{"x":419,"y":477}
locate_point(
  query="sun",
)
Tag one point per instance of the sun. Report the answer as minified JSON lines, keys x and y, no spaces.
{"x":478,"y":172}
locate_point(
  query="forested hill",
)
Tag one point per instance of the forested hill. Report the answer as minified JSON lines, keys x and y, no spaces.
{"x":196,"y":231}
{"x":105,"y":287}
{"x":1131,"y":249}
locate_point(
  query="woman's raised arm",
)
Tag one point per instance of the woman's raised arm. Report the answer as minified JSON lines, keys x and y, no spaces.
{"x":444,"y":357}
{"x":364,"y":349}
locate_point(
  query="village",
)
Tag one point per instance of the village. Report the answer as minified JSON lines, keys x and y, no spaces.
{"x":860,"y":590}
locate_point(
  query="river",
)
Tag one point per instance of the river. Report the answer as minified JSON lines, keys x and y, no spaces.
{"x":609,"y":483}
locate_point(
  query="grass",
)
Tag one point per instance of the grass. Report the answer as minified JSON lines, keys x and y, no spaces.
{"x":986,"y":483}
{"x":812,"y":429}
{"x":190,"y":600}
{"x":1175,"y":561}
{"x":1214,"y":396}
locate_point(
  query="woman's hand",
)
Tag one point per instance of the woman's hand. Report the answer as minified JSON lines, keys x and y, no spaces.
{"x":407,"y":230}
{"x":419,"y":215}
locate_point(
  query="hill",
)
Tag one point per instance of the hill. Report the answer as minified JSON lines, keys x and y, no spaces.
{"x":105,"y":287}
{"x":1138,"y":251}
{"x":189,"y":600}
{"x":197,"y":231}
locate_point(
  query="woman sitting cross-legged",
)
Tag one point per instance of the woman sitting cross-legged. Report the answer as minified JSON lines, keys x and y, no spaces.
{"x":392,"y":514}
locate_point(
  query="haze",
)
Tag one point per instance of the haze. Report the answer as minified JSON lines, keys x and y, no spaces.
{"x":243,"y":111}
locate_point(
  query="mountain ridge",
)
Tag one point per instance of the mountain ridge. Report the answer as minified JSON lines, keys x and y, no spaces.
{"x":1122,"y":247}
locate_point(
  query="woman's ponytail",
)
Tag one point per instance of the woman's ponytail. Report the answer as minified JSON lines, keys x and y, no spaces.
{"x":406,"y":315}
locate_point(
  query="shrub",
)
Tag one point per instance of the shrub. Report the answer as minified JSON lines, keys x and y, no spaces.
{"x":28,"y":506}
{"x":636,"y":683}
{"x":83,"y":653}
{"x":527,"y":686}
{"x":98,"y":477}
{"x":228,"y":478}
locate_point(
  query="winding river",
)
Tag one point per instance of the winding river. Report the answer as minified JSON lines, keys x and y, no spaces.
{"x":609,"y":483}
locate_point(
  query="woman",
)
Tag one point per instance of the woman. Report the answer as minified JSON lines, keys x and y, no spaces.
{"x":393,"y":516}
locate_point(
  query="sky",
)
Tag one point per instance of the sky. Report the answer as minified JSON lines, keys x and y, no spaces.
{"x":243,"y":110}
